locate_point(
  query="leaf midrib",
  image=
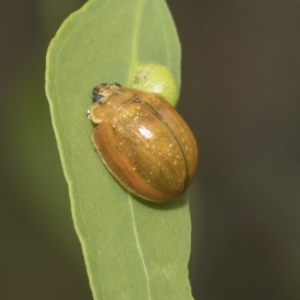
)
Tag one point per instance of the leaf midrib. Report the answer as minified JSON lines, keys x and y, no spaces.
{"x":137,"y":27}
{"x":138,"y":245}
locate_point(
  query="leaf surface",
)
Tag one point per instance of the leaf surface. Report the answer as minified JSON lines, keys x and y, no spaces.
{"x":133,"y":249}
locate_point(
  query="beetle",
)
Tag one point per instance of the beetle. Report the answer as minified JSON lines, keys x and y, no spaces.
{"x":143,"y":142}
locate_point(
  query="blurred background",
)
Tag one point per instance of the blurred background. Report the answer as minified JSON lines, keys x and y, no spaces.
{"x":241,"y":97}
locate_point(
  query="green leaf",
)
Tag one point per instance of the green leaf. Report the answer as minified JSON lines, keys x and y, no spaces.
{"x":133,"y":249}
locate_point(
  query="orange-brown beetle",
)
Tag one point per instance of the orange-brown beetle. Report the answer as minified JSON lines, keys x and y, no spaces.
{"x":143,"y":141}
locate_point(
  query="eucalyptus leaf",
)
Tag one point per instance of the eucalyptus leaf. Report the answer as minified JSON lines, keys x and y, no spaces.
{"x":132,"y":249}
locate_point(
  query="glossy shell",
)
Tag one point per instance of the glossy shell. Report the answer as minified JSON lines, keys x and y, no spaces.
{"x":143,"y":141}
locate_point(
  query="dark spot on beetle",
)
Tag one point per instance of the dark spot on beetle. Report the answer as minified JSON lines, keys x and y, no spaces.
{"x":137,"y":100}
{"x":96,"y":90}
{"x":97,"y":97}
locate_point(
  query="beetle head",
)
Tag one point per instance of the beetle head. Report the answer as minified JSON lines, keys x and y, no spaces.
{"x":103,"y":90}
